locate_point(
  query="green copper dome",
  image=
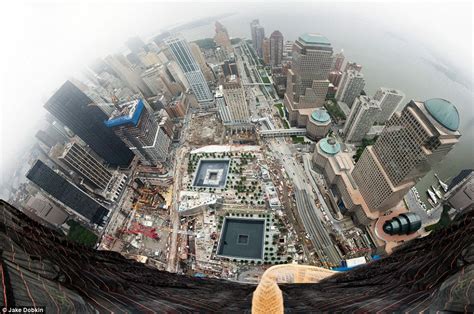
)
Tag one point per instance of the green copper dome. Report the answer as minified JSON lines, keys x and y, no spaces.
{"x":329,"y":146}
{"x":320,"y":115}
{"x":444,"y":112}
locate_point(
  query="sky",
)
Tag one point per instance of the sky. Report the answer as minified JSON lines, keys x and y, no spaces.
{"x":43,"y":44}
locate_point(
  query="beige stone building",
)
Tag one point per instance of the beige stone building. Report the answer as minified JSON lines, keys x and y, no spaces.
{"x":307,"y":80}
{"x":412,"y":141}
{"x":222,"y":37}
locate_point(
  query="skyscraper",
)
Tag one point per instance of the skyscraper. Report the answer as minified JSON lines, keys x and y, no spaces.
{"x":222,"y":37}
{"x":412,"y":141}
{"x":335,"y":77}
{"x":138,"y":128}
{"x":127,"y":74}
{"x":198,"y":56}
{"x":154,"y":78}
{"x":307,"y":81}
{"x":351,"y":85}
{"x":266,"y":51}
{"x":86,"y":165}
{"x":338,"y":61}
{"x":222,"y":108}
{"x":276,"y":48}
{"x":361,"y":118}
{"x":229,"y":67}
{"x":352,"y":66}
{"x":235,"y":100}
{"x":258,"y":34}
{"x":183,"y":56}
{"x":77,"y":111}
{"x":389,"y":99}
{"x":67,"y":193}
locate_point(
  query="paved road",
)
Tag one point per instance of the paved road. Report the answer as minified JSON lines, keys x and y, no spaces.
{"x":317,"y":232}
{"x":305,"y":194}
{"x":312,"y":174}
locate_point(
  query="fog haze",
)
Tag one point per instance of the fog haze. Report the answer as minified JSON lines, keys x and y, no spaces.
{"x":44,"y":44}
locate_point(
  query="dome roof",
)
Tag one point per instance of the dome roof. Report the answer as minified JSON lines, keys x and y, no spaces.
{"x":444,"y":112}
{"x":330,"y":146}
{"x":315,"y":39}
{"x":320,"y":115}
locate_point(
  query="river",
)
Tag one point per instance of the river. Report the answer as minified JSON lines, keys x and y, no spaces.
{"x":387,"y":58}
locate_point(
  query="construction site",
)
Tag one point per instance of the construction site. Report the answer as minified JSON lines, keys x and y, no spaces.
{"x":142,"y":231}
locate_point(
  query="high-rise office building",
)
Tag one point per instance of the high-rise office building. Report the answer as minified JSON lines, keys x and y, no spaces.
{"x":199,"y":57}
{"x":222,"y":108}
{"x":288,"y":50}
{"x":260,"y":37}
{"x":52,"y":133}
{"x":351,"y":85}
{"x":389,"y":99}
{"x":177,"y":108}
{"x":229,"y":67}
{"x":352,"y":66}
{"x":335,"y":77}
{"x":222,"y":37}
{"x":253,"y":32}
{"x":363,"y":114}
{"x":67,"y":193}
{"x":138,"y":128}
{"x":85,"y":165}
{"x":183,"y":56}
{"x":307,"y":80}
{"x":128,"y":74}
{"x":235,"y":100}
{"x":135,"y":44}
{"x":154,"y":79}
{"x":258,"y":34}
{"x":338,"y":61}
{"x":176,"y":75}
{"x":78,"y":112}
{"x":412,"y":141}
{"x":266,"y":51}
{"x":276,"y":48}
{"x":148,"y":59}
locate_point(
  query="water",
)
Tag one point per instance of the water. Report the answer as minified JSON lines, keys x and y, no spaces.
{"x":388,"y":59}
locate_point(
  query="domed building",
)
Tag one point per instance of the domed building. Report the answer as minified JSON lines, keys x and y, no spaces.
{"x":336,"y":166}
{"x":318,"y":125}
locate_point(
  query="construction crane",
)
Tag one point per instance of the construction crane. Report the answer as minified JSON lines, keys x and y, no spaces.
{"x":137,"y":228}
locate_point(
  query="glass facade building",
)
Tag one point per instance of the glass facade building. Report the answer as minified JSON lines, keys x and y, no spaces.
{"x":78,"y":112}
{"x":67,"y":193}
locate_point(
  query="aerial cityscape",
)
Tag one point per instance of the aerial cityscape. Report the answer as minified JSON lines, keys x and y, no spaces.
{"x":176,"y":168}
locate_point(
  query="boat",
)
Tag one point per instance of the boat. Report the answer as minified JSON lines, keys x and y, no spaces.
{"x":437,"y":192}
{"x":431,"y":202}
{"x":443,"y":185}
{"x":432,"y":196}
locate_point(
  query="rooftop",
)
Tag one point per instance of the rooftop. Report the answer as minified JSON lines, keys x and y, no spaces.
{"x":129,"y":113}
{"x":444,"y":112}
{"x":314,"y":39}
{"x":320,"y":115}
{"x":330,"y":146}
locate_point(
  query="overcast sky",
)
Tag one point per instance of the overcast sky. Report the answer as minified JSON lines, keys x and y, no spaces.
{"x":44,"y":44}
